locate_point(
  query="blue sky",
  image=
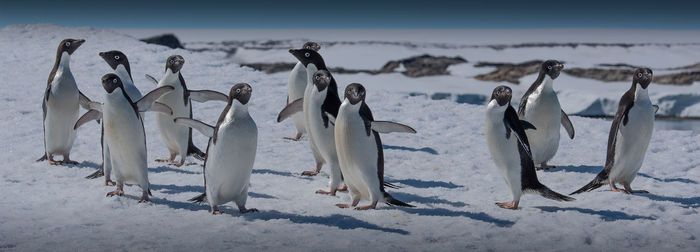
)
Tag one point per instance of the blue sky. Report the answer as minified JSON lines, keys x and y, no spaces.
{"x":641,"y":14}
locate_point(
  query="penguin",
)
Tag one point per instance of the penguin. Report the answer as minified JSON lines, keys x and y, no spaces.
{"x":540,"y":106}
{"x":629,"y":137}
{"x":360,"y":148}
{"x":178,"y":138}
{"x":123,"y":130}
{"x":295,"y":90}
{"x":230,"y":153}
{"x":510,"y":149}
{"x":319,"y":101}
{"x":119,"y":63}
{"x":60,"y":106}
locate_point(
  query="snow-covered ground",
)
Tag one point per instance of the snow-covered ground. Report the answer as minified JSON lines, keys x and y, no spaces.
{"x":445,"y":170}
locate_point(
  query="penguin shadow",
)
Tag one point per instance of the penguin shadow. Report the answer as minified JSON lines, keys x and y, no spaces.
{"x":334,"y":220}
{"x":424,"y":184}
{"x":442,"y":212}
{"x":191,"y":206}
{"x":260,"y":195}
{"x":164,"y":168}
{"x":605,"y":215}
{"x":431,"y":200}
{"x":176,"y":189}
{"x":84,"y":164}
{"x":682,"y":180}
{"x":692,"y":202}
{"x":279,"y":173}
{"x":424,"y":149}
{"x":580,"y":169}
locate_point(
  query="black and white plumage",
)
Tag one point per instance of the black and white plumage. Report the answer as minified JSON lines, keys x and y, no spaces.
{"x":123,"y":130}
{"x":119,"y":63}
{"x":320,"y":99}
{"x":296,"y":85}
{"x":60,"y":105}
{"x":178,"y":138}
{"x":510,"y":149}
{"x":360,"y":150}
{"x":540,"y":106}
{"x":230,"y":153}
{"x":630,"y":134}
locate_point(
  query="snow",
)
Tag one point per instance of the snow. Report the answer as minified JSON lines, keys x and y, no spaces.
{"x":445,"y":170}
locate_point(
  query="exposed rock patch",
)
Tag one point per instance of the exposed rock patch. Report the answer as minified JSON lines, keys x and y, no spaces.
{"x":508,"y":72}
{"x":168,"y":40}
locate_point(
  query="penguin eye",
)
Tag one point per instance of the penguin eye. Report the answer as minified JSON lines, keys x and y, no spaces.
{"x":67,"y":44}
{"x":114,"y":81}
{"x":307,"y":55}
{"x":639,"y":75}
{"x":549,"y":67}
{"x":172,"y":61}
{"x":116,"y":57}
{"x":238,"y":90}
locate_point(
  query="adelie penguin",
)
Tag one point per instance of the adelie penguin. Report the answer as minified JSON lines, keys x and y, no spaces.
{"x":119,"y":63}
{"x":318,"y":102}
{"x":510,"y":149}
{"x":123,"y":130}
{"x":178,"y":138}
{"x":541,"y":107}
{"x":230,"y":153}
{"x":629,"y":137}
{"x":60,"y":106}
{"x":360,"y":148}
{"x":295,"y":90}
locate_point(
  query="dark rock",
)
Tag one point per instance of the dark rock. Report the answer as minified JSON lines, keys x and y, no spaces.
{"x":507,"y":71}
{"x":423,"y":65}
{"x":168,"y":40}
{"x":271,"y":67}
{"x":606,"y":75}
{"x":684,"y":78}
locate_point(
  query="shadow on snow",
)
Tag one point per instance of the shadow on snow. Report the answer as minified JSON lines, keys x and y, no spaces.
{"x":424,"y":184}
{"x":424,"y":149}
{"x":606,"y":215}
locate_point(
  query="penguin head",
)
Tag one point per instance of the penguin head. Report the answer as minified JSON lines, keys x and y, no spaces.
{"x":174,"y":63}
{"x":322,"y":79}
{"x":552,"y":68}
{"x":311,"y":46}
{"x":111,"y":82}
{"x":502,"y":95}
{"x":308,"y":56}
{"x":70,"y":45}
{"x":240,"y":92}
{"x":643,"y":76}
{"x":115,"y":58}
{"x":355,"y":93}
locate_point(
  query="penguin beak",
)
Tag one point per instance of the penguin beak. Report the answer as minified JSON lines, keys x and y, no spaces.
{"x":560,"y":67}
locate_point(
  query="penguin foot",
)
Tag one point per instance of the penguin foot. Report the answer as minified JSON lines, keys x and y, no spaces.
{"x":68,"y":161}
{"x":342,"y":188}
{"x":544,"y":166}
{"x":54,"y":162}
{"x":109,"y":182}
{"x":178,"y":164}
{"x":615,"y":189}
{"x":215,"y":210}
{"x":367,"y":207}
{"x":247,"y":210}
{"x":115,"y":192}
{"x":296,"y":138}
{"x":309,"y":173}
{"x":508,"y":205}
{"x":331,"y":193}
{"x":343,"y":205}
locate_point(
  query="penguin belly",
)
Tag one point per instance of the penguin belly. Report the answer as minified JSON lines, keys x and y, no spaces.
{"x":230,"y":163}
{"x":175,"y":137}
{"x":322,"y":137}
{"x":61,"y":115}
{"x":504,"y":152}
{"x":543,"y":111}
{"x":632,"y":142}
{"x":127,"y":144}
{"x":358,"y":155}
{"x":295,"y":90}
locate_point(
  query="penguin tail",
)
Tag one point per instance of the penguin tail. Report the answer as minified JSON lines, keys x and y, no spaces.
{"x":390,"y":185}
{"x":42,"y":158}
{"x":598,"y":181}
{"x":99,"y":173}
{"x":199,"y":198}
{"x":149,"y":192}
{"x":548,"y":193}
{"x":195,"y":152}
{"x":394,"y":202}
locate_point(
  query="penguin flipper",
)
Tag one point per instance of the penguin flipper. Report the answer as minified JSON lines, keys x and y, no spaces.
{"x":388,"y":127}
{"x":84,"y":100}
{"x":199,"y":198}
{"x":329,"y":118}
{"x":152,"y":79}
{"x":206,"y":95}
{"x":146,"y":102}
{"x":291,"y":109}
{"x":162,"y":108}
{"x":567,"y":124}
{"x":206,"y":129}
{"x":512,"y":123}
{"x":88,"y":116}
